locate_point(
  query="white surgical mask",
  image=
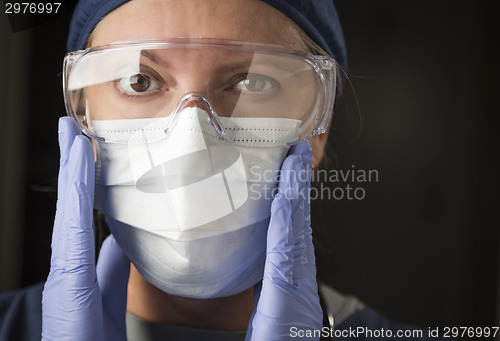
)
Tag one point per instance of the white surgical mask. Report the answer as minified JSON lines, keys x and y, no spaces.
{"x":191,"y":210}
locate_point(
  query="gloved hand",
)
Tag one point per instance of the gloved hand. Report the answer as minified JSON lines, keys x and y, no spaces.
{"x":81,"y":301}
{"x":288,"y":296}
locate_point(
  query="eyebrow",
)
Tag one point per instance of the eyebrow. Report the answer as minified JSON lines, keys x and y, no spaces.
{"x":247,"y":64}
{"x":154,"y":58}
{"x":224,"y":68}
{"x":232,"y":67}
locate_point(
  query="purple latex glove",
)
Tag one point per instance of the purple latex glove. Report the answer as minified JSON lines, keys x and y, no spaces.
{"x":288,"y":297}
{"x":81,"y":301}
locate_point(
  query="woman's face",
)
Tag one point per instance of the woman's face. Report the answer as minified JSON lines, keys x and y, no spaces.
{"x":248,"y":20}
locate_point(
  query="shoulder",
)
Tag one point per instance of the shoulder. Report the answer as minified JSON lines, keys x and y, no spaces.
{"x":353,"y":320}
{"x":21,"y":314}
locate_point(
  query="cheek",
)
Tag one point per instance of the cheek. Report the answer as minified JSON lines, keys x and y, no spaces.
{"x":104,"y":103}
{"x":95,"y":102}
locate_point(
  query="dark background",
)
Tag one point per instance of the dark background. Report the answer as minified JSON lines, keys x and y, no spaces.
{"x":422,"y":247}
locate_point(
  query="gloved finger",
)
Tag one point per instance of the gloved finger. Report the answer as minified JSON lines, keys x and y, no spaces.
{"x":293,"y":179}
{"x":113,"y":269}
{"x":308,"y":236}
{"x":299,"y":230}
{"x":281,"y":241}
{"x":294,"y":184}
{"x":78,"y":210}
{"x":68,"y":130}
{"x":299,"y":202}
{"x":304,"y":150}
{"x":305,"y":271}
{"x":305,"y":274}
{"x":278,"y":268}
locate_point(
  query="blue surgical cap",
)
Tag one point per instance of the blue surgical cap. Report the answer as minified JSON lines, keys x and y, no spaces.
{"x":318,"y":18}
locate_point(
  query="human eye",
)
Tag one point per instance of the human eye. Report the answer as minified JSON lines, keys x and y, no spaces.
{"x":139,"y":84}
{"x":256,"y":84}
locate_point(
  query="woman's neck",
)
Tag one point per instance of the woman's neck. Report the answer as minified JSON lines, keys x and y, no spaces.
{"x":149,"y":303}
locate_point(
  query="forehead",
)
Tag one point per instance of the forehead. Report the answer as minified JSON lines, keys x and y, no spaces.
{"x":249,"y":20}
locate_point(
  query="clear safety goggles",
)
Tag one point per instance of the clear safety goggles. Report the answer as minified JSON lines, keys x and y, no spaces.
{"x":230,"y":80}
